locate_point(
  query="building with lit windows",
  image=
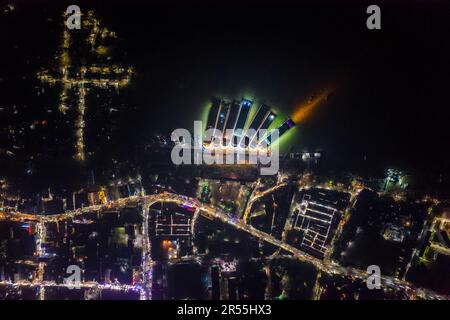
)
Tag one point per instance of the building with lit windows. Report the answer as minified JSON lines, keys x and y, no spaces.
{"x":282,"y":129}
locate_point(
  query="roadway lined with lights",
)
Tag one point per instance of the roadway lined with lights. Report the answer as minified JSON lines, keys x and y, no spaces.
{"x":257,"y":195}
{"x":81,"y":285}
{"x":330,"y":267}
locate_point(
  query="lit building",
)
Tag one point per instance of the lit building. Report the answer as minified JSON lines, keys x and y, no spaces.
{"x":223,"y":116}
{"x":241,"y":119}
{"x":393,"y":233}
{"x":214,"y":113}
{"x":233,"y":112}
{"x":261,"y":121}
{"x":97,"y":197}
{"x":282,"y":129}
{"x":316,"y":217}
{"x":233,"y":116}
{"x":244,"y":110}
{"x":217,"y":115}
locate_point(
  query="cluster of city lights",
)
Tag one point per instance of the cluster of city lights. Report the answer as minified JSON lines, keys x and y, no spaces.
{"x":84,"y":80}
{"x":211,"y":212}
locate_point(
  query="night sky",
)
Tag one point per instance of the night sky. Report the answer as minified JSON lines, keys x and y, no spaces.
{"x":391,"y":86}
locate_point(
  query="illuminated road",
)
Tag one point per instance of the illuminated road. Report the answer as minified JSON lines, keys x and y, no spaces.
{"x":257,"y":195}
{"x":147,"y":263}
{"x":82,"y":285}
{"x":329,"y":267}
